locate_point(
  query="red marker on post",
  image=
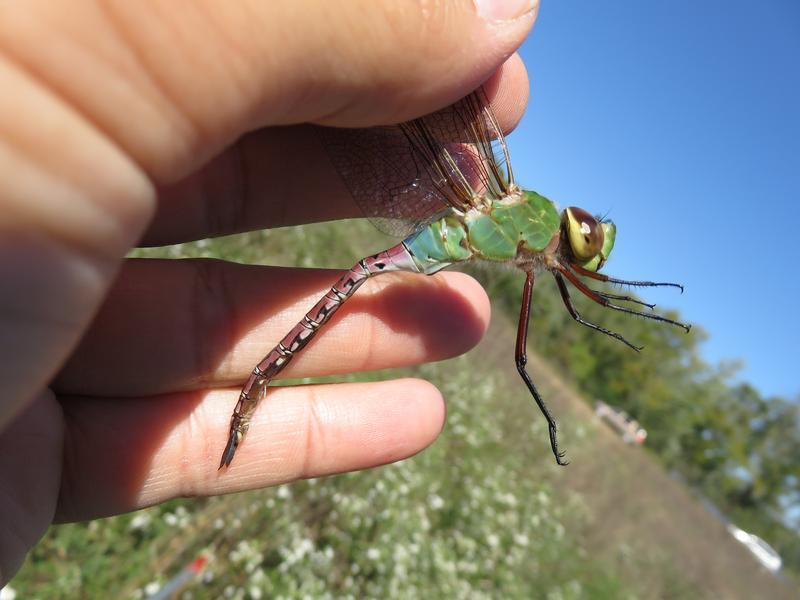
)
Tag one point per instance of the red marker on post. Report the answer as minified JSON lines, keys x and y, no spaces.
{"x":189,"y":572}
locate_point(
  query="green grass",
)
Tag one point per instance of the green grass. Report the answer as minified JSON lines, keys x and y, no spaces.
{"x":471,"y":517}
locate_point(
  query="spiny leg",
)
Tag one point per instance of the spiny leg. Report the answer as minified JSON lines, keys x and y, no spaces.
{"x":521,"y":359}
{"x":595,"y":296}
{"x":626,"y":299}
{"x":562,"y":288}
{"x":602,"y":277}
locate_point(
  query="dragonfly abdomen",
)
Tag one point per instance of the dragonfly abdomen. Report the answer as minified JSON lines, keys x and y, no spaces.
{"x":439,"y":245}
{"x":397,"y":258}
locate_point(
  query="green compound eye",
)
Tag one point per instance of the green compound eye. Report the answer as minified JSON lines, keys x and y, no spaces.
{"x":584,"y":233}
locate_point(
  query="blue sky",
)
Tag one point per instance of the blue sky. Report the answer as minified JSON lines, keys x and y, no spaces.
{"x":682,"y":120}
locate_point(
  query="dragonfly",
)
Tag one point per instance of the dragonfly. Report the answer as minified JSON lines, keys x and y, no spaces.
{"x":444,"y":182}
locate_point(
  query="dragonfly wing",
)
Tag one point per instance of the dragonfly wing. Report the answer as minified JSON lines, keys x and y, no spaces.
{"x":404,"y":176}
{"x":464,"y":150}
{"x":382,"y":171}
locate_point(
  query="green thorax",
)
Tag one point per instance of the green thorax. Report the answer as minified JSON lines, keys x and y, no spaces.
{"x":523,"y":220}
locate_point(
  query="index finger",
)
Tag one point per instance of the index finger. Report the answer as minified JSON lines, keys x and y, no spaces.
{"x":280,"y":176}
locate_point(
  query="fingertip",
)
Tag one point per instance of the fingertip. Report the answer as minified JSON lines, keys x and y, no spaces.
{"x":429,"y":74}
{"x":427,"y":402}
{"x":508,"y":90}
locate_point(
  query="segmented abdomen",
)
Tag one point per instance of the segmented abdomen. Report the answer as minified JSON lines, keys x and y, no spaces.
{"x":396,"y":258}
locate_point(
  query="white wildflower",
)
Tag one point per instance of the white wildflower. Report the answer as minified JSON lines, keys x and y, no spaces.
{"x":254,"y":592}
{"x":509,"y":499}
{"x":435,"y":502}
{"x":140,"y":521}
{"x":151,"y":588}
{"x":373,"y":554}
{"x":258,"y":576}
{"x":8,"y":593}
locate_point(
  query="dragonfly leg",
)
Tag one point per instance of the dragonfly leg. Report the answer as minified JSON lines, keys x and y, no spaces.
{"x":521,"y":359}
{"x":562,"y":288}
{"x":608,"y":296}
{"x":597,"y":297}
{"x":603,"y":277}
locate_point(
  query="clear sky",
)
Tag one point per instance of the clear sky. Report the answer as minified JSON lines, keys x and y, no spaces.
{"x":682,"y":120}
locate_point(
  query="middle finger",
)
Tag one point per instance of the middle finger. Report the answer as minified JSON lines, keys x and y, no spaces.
{"x":171,"y":325}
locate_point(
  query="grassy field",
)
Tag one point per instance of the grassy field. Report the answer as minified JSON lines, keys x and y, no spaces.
{"x":484,"y":513}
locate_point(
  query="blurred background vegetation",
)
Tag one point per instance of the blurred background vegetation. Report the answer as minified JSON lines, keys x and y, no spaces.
{"x":485,"y":512}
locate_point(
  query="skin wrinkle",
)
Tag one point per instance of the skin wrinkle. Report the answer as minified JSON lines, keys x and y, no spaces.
{"x":235,"y":49}
{"x":371,"y":333}
{"x":240,"y":81}
{"x":191,"y":131}
{"x":190,"y":480}
{"x":210,"y":218}
{"x":214,"y":293}
{"x":69,"y":471}
{"x":238,"y":199}
{"x":372,"y":69}
{"x":44,"y":81}
{"x":313,"y":434}
{"x":27,"y":502}
{"x":52,"y":229}
{"x":140,"y":202}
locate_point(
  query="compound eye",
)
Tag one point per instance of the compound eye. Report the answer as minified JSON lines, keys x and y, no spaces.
{"x":584,"y":233}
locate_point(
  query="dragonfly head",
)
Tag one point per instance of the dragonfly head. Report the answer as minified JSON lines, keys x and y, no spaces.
{"x":589,"y":240}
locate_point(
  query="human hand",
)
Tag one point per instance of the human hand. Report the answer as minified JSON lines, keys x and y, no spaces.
{"x":161,"y":122}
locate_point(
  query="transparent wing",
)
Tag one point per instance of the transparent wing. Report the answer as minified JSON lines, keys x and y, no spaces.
{"x":404,"y":176}
{"x":385,"y":177}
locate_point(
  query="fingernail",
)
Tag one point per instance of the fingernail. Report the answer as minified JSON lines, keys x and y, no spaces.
{"x":504,"y":10}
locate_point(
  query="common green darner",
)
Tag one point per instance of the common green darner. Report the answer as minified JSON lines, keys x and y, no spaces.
{"x":445,"y":182}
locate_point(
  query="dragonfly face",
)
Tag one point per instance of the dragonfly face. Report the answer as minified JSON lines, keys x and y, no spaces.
{"x":590,"y":241}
